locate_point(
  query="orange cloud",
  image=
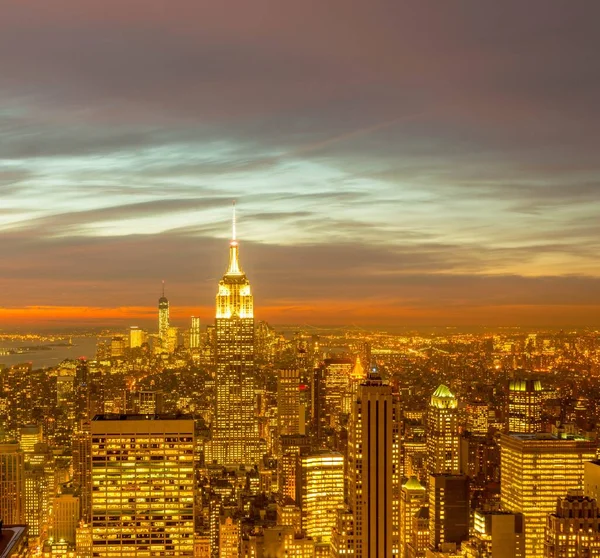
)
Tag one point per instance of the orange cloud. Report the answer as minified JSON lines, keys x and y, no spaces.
{"x":367,"y":313}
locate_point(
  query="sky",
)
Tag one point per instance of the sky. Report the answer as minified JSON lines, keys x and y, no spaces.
{"x":394,"y":163}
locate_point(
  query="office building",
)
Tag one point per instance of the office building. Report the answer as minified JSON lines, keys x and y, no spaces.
{"x":420,"y":534}
{"x":229,"y":537}
{"x":413,"y":497}
{"x":536,"y":469}
{"x":373,"y":469}
{"x":12,"y":484}
{"x":320,"y":492}
{"x":288,"y":402}
{"x":524,"y":406}
{"x":443,"y":446}
{"x":574,"y":528}
{"x":143,"y":485}
{"x":195,"y":334}
{"x":235,"y":437}
{"x":591,"y":479}
{"x":448,"y":510}
{"x":496,"y":534}
{"x":137,"y":337}
{"x":65,"y":518}
{"x":163,"y":317}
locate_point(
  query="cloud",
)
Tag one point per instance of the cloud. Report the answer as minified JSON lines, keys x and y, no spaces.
{"x":402,"y":148}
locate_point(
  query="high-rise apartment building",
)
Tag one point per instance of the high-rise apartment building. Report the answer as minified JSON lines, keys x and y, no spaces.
{"x":574,"y":528}
{"x":524,"y":406}
{"x":536,"y":469}
{"x":413,"y":497}
{"x":320,"y":492}
{"x":443,"y":444}
{"x":142,"y":485}
{"x":374,"y":470}
{"x":448,"y":510}
{"x":12,"y":484}
{"x":235,"y":436}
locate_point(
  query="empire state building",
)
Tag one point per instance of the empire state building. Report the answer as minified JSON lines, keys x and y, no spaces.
{"x":235,"y":438}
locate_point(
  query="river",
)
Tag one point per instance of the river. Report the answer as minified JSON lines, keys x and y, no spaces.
{"x":81,"y":347}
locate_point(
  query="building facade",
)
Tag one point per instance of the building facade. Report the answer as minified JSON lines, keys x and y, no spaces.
{"x":536,"y":469}
{"x":142,"y":486}
{"x":374,"y":470}
{"x":235,"y":436}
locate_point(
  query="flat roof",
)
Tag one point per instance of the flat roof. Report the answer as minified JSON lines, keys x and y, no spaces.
{"x":11,"y":535}
{"x":117,"y":417}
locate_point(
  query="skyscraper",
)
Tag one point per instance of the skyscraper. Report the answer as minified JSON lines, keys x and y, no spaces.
{"x":235,"y":439}
{"x":574,"y":528}
{"x":143,"y":485}
{"x":163,"y":317}
{"x":448,"y":509}
{"x":524,"y":406}
{"x":412,"y":499}
{"x":373,"y":470}
{"x":536,"y":469}
{"x":443,"y":444}
{"x":12,"y":485}
{"x":195,"y":334}
{"x":288,"y":402}
{"x":495,"y":534}
{"x":320,"y":492}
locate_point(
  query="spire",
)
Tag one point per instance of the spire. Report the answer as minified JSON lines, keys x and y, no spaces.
{"x":163,"y":298}
{"x":234,"y":267}
{"x":233,"y":231}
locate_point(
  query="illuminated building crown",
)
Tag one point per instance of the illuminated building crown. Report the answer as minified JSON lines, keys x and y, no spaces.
{"x":234,"y":296}
{"x":443,"y":398}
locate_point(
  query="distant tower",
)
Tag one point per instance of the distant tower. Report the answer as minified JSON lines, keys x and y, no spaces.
{"x":235,"y":438}
{"x":443,"y":443}
{"x":195,"y":334}
{"x":524,"y":406}
{"x":163,"y":316}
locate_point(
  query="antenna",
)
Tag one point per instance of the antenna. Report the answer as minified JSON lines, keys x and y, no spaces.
{"x":163,"y":288}
{"x":233,"y":235}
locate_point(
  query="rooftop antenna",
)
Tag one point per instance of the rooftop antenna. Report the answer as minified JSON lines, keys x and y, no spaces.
{"x":163,"y":288}
{"x":233,"y":232}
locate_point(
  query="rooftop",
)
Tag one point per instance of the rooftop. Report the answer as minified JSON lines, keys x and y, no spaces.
{"x":116,"y":417}
{"x":9,"y":537}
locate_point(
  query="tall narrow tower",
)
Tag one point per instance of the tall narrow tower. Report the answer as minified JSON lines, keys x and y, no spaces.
{"x":442,"y":433}
{"x":163,"y":316}
{"x":235,"y":439}
{"x":374,"y":469}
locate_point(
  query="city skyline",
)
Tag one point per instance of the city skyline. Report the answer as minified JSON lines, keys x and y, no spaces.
{"x":406,"y":166}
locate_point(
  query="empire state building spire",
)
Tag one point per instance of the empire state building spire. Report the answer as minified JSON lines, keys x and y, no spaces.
{"x":234,"y":267}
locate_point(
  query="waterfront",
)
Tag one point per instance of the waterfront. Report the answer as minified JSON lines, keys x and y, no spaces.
{"x":81,"y":347}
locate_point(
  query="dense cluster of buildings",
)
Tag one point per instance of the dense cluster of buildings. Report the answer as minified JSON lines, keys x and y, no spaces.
{"x":234,"y":441}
